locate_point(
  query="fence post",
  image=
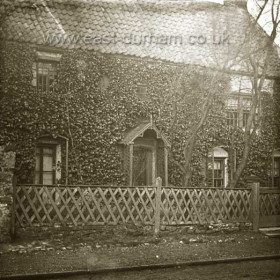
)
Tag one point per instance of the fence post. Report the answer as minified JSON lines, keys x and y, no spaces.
{"x":255,"y":205}
{"x":13,"y":221}
{"x":157,"y":205}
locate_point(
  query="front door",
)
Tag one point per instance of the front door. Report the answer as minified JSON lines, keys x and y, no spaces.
{"x":143,"y":166}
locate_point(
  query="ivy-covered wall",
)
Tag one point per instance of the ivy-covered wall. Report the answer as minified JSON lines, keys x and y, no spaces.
{"x":94,"y":118}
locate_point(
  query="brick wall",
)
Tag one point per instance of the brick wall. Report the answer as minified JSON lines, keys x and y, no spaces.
{"x":7,"y":162}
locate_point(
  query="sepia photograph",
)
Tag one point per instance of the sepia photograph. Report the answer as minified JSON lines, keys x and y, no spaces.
{"x":139,"y":139}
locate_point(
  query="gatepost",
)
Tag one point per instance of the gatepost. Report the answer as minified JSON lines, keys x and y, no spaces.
{"x":157,"y":205}
{"x":255,"y":204}
{"x":7,"y":164}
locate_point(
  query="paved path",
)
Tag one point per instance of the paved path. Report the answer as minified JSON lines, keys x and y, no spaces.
{"x":259,"y":270}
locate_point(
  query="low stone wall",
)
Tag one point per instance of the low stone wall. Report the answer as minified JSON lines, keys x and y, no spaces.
{"x":7,"y":163}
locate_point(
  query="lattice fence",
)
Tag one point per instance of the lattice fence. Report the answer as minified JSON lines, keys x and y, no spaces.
{"x":99,"y":205}
{"x":269,"y":202}
{"x":83,"y":205}
{"x":204,"y":205}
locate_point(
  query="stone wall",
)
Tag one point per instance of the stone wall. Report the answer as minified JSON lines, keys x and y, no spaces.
{"x":7,"y":163}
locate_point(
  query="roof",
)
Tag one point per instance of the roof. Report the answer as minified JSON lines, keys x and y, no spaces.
{"x":154,"y":29}
{"x":139,"y":130}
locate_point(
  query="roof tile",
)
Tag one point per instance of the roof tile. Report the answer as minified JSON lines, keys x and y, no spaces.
{"x":119,"y":18}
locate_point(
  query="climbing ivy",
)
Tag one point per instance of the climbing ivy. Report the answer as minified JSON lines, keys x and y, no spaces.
{"x":95,"y":118}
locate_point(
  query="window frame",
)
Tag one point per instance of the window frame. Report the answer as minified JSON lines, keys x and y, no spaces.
{"x":241,"y":110}
{"x":55,"y":65}
{"x":50,"y":56}
{"x":142,"y":91}
{"x":218,"y":153}
{"x":41,"y":146}
{"x":275,"y":180}
{"x":232,"y":120}
{"x":222,"y":170}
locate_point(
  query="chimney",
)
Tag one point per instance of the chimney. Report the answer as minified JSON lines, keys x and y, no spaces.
{"x":239,"y":3}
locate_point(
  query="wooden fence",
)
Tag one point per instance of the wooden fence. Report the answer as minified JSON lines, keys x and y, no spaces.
{"x":100,"y":205}
{"x":83,"y":205}
{"x":269,"y":207}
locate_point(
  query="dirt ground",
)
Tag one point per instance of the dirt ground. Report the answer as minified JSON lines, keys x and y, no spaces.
{"x":42,"y":250}
{"x":258,"y":270}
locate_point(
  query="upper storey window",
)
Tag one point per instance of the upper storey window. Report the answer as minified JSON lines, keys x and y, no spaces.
{"x":238,"y":109}
{"x":232,"y":111}
{"x":46,"y":75}
{"x":45,"y":71}
{"x":239,"y":102}
{"x":142,"y":92}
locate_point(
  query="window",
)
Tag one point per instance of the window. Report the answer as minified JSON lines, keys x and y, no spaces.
{"x":241,"y":93}
{"x":232,"y":114}
{"x":246,"y":103}
{"x":217,"y":172}
{"x":238,"y":110}
{"x":219,"y":178}
{"x":142,"y":92}
{"x":245,"y":117}
{"x":45,"y":71}
{"x":232,"y":118}
{"x":45,"y":164}
{"x":46,"y":75}
{"x":275,"y":172}
{"x":48,"y":155}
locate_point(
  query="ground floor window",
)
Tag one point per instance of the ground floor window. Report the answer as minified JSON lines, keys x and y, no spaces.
{"x":45,"y":165}
{"x":275,"y":176}
{"x":217,"y":172}
{"x":48,"y":156}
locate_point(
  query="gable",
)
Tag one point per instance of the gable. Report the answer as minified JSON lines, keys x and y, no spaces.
{"x":140,"y":130}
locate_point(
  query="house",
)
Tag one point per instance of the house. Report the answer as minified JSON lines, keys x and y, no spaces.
{"x":83,"y":81}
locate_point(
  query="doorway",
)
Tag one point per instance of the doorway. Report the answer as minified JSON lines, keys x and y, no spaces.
{"x":143,"y":174}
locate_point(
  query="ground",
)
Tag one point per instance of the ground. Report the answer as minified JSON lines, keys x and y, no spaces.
{"x":40,"y":250}
{"x":258,"y":270}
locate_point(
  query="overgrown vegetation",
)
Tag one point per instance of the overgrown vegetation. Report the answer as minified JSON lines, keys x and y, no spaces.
{"x":95,"y":119}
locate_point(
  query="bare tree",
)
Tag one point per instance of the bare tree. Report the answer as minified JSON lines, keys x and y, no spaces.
{"x":256,"y":58}
{"x":259,"y":68}
{"x":177,"y":103}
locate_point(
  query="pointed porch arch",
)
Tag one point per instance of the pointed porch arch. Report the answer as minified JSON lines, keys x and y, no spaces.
{"x":145,"y":151}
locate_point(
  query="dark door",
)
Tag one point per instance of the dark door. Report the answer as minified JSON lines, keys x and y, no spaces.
{"x":142,"y":166}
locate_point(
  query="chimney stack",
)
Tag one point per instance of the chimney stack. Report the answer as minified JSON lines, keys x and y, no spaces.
{"x":239,"y":3}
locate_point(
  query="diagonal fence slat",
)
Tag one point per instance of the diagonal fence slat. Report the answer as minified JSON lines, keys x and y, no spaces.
{"x":83,"y":205}
{"x":205,"y":205}
{"x":269,"y":202}
{"x":193,"y":204}
{"x":99,"y":205}
{"x":43,"y":206}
